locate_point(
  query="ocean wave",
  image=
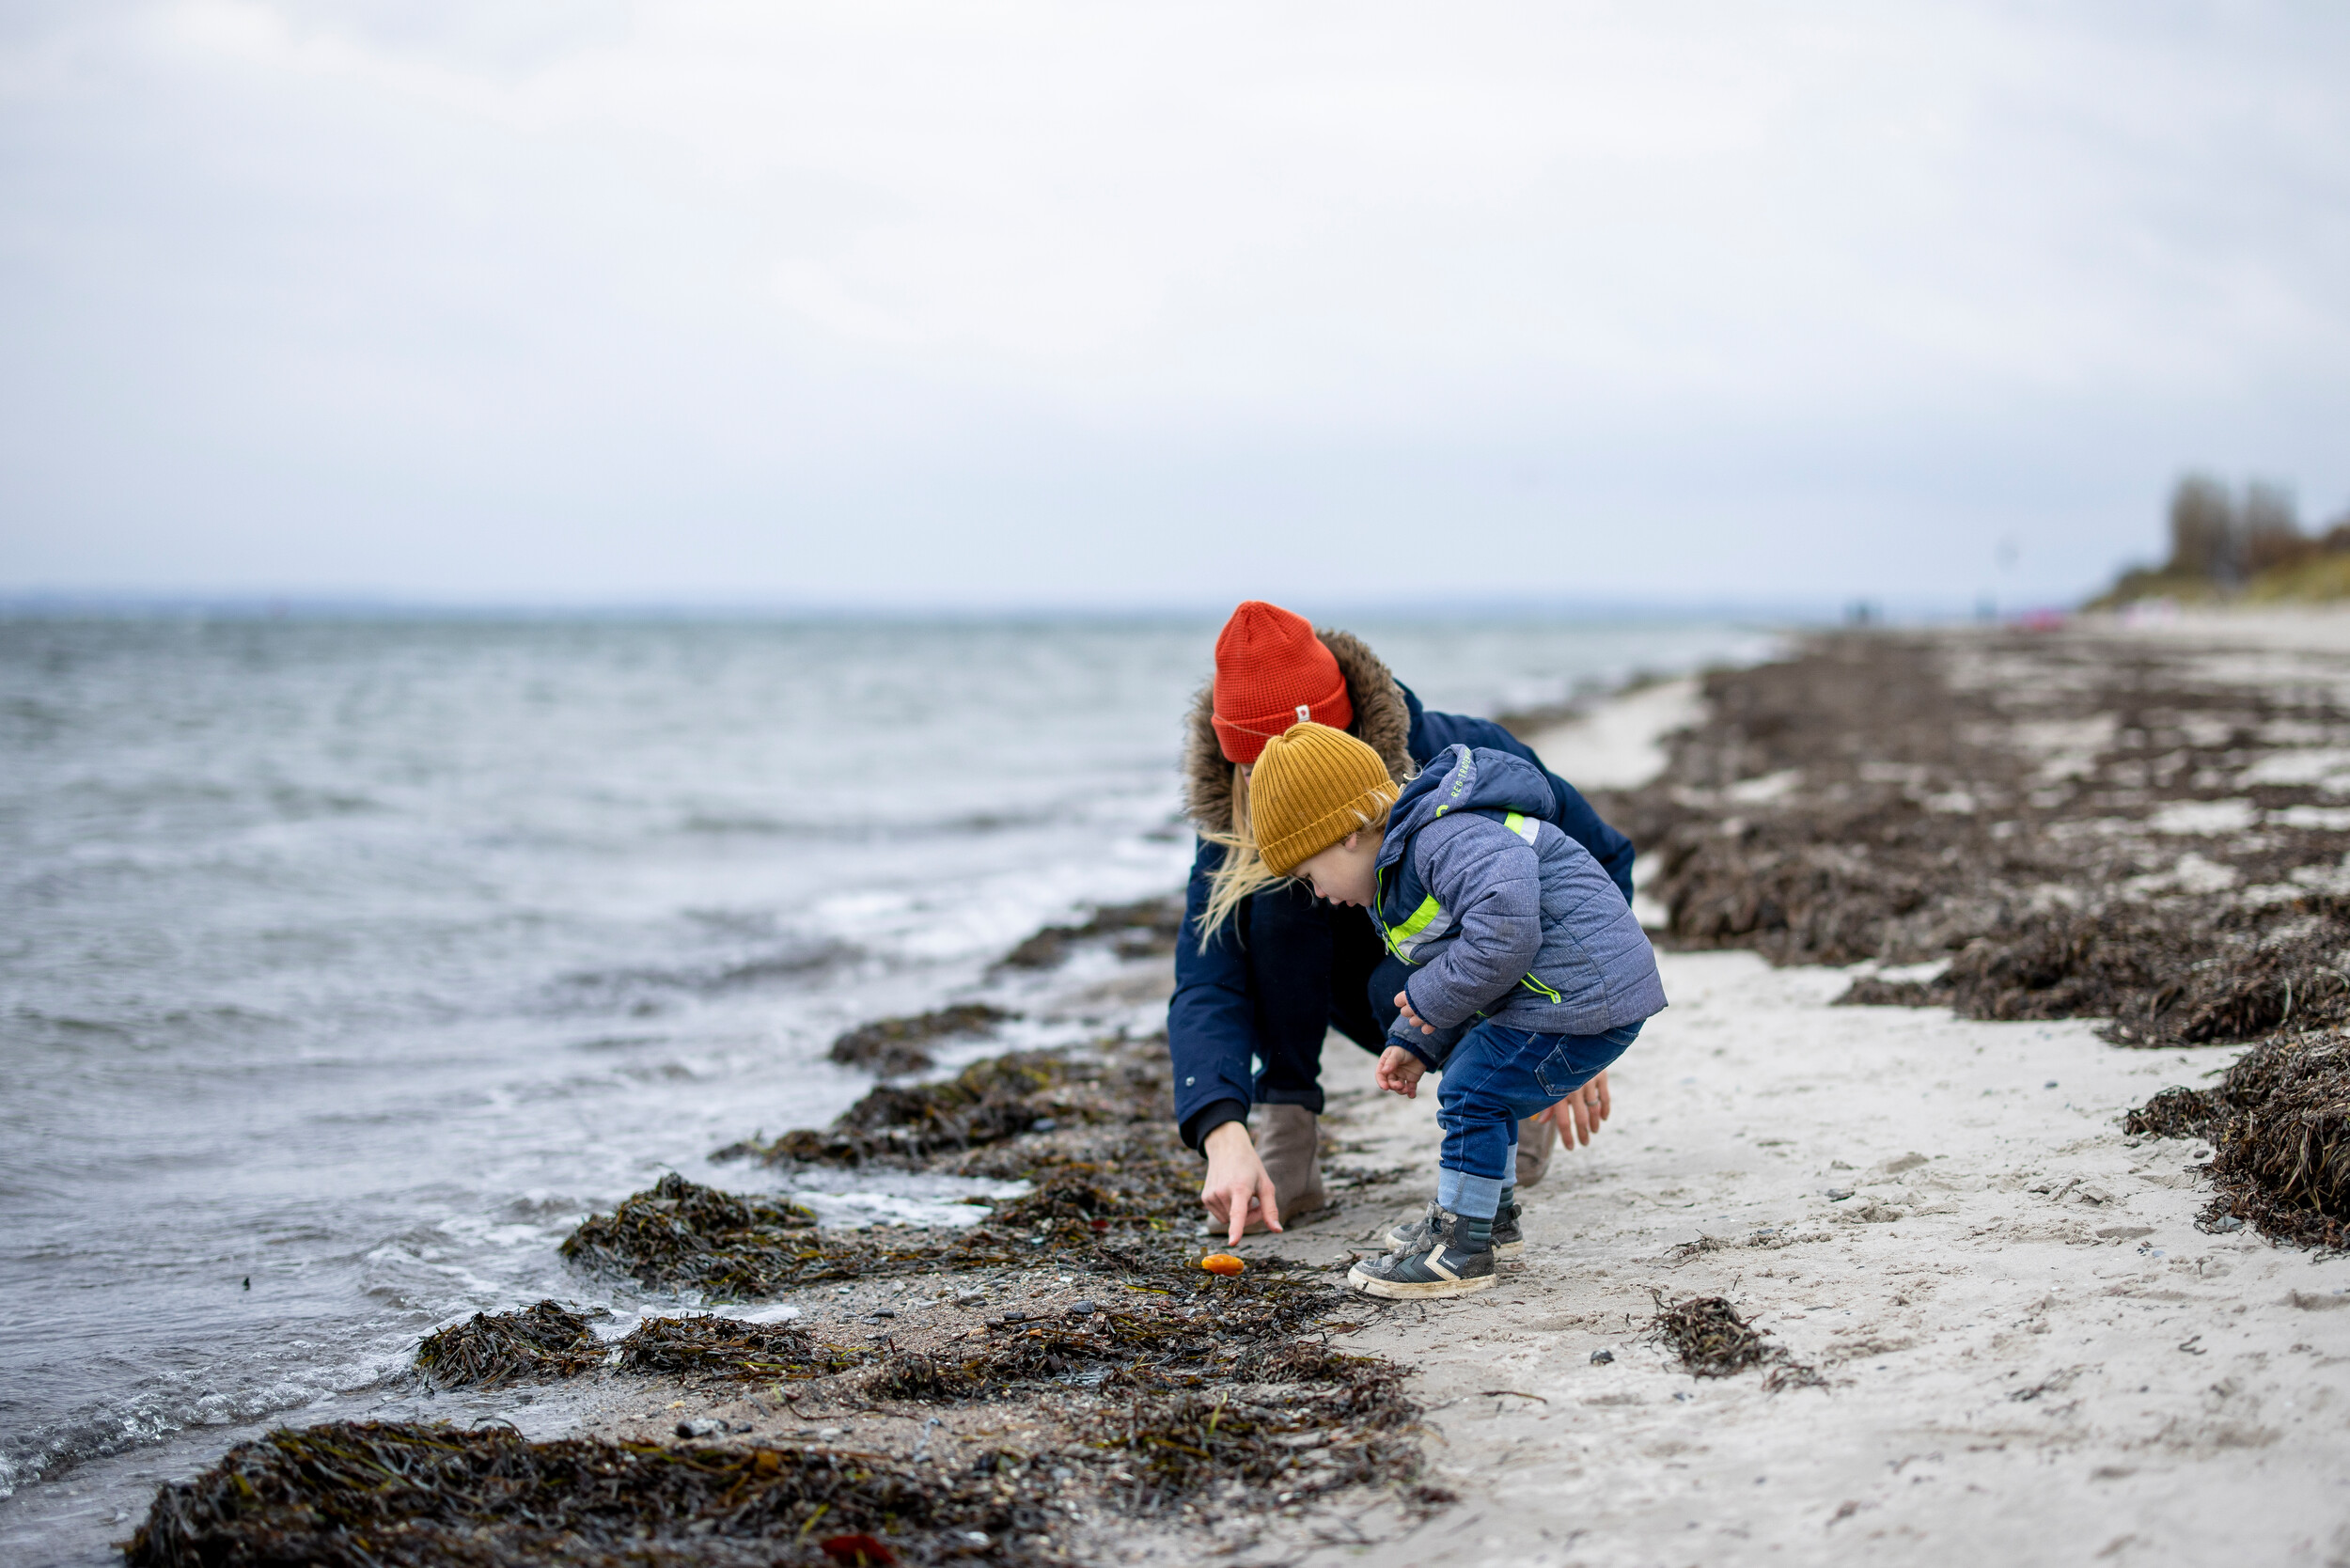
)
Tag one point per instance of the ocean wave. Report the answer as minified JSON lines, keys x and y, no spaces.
{"x":629,"y":989}
{"x":873,"y":830}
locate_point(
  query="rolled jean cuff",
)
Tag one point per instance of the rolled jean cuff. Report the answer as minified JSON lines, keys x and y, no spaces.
{"x":1474,"y":1196}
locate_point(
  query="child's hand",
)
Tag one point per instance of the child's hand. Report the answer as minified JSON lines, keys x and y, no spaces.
{"x":1399,"y":1072}
{"x":1403,"y":1005}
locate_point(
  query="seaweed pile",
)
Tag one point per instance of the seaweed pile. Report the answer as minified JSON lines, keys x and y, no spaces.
{"x":545,"y":1340}
{"x":681,"y":1235}
{"x":2075,"y":826}
{"x":715,"y":1347}
{"x":988,"y":1102}
{"x":2278,"y":1121}
{"x":1146,"y":929}
{"x":1712,"y":1341}
{"x":1244,"y":1331}
{"x":388,"y":1496}
{"x":893,"y":1048}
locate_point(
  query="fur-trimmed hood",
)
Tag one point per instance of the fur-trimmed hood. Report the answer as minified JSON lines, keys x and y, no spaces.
{"x":1383,"y":721}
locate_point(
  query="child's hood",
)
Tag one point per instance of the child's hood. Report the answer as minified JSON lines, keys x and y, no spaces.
{"x":1464,"y":778}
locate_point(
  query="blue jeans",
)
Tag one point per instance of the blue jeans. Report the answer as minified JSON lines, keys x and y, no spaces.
{"x":1495,"y":1077}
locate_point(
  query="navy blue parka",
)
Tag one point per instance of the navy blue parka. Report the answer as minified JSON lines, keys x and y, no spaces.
{"x":1251,"y":1008}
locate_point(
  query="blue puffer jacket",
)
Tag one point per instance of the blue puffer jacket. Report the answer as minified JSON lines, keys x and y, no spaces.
{"x":1502,"y":916}
{"x":1221,"y":991}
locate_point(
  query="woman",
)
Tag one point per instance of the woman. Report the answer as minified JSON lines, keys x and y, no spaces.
{"x":1263,"y":968}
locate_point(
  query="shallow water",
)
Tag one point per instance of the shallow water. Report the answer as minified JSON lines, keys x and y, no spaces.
{"x":345,"y":964}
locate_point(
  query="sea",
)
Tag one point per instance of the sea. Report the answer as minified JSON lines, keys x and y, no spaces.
{"x":348,"y":960}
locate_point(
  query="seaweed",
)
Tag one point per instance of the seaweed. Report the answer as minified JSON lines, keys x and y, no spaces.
{"x":679,"y":1233}
{"x":716,"y":1347}
{"x":987,"y":1103}
{"x":1711,"y":1340}
{"x":1244,"y":1331}
{"x":545,"y":1341}
{"x":2279,"y":1122}
{"x":892,"y":1047}
{"x":396,"y":1495}
{"x":1146,"y":929}
{"x":2037,"y":813}
{"x":1186,"y":1446}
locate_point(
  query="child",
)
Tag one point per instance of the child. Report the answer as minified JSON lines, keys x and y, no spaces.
{"x":1529,"y":973}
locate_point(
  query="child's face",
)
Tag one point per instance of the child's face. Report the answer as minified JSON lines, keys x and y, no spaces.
{"x":1342,"y":872}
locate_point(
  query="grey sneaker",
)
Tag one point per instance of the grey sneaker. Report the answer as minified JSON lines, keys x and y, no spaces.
{"x":1420,"y":1234}
{"x":1442,"y":1269}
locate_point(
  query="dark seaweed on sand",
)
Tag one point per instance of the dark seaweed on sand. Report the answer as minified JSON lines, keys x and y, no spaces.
{"x":1142,"y":930}
{"x":2280,"y":1123}
{"x":892,"y":1047}
{"x":545,"y":1340}
{"x":681,"y":1235}
{"x":1176,"y":1449}
{"x":1204,"y":1330}
{"x":1919,"y":827}
{"x":1713,"y":1340}
{"x":988,"y":1102}
{"x":720,"y":1347}
{"x":403,"y":1496}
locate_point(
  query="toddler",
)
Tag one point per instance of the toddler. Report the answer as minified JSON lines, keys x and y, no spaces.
{"x":1530,"y":974}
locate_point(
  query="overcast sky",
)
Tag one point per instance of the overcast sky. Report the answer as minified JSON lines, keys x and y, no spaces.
{"x":1115,"y":305}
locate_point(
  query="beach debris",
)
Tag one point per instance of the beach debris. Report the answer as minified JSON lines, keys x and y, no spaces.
{"x":2024,"y":834}
{"x":987,"y":1103}
{"x":859,"y":1550}
{"x":1711,"y":1340}
{"x":2278,"y":1121}
{"x":893,"y":1048}
{"x":679,"y":1233}
{"x":410,"y":1495}
{"x":1157,"y":1342}
{"x":713,"y":1346}
{"x":1238,"y":1371}
{"x":1222,"y":1262}
{"x":490,"y":1349}
{"x":1603,"y":1358}
{"x":1143,"y":930}
{"x":1194,"y":1445}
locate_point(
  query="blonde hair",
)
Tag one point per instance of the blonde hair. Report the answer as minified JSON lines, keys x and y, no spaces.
{"x":1243,"y":874}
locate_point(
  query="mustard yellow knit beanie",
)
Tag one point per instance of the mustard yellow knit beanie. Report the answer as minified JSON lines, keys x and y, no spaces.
{"x":1311,"y":787}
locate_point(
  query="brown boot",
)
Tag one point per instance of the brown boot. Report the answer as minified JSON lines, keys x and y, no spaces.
{"x":1289,"y":1141}
{"x":1538,"y":1136}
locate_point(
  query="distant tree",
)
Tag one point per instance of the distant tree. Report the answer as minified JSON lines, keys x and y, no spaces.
{"x":2272,"y":533}
{"x":2204,"y":539}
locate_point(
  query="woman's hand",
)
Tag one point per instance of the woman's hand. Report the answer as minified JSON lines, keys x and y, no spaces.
{"x":1579,"y":1116}
{"x":1398,"y":1072}
{"x":1237,"y":1181}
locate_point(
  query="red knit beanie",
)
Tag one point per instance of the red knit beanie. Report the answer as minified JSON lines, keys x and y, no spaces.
{"x":1271,"y":672}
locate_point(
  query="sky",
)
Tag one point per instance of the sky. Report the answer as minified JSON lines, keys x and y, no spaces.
{"x":1109,"y":305}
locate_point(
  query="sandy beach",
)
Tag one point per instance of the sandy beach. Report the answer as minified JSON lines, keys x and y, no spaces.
{"x":1995,"y":1320}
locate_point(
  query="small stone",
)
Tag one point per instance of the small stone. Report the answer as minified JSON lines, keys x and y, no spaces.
{"x":1837,"y":1195}
{"x":1601,"y":1358}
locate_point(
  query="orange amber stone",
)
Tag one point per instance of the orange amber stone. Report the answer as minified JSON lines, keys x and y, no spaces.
{"x":1222,"y":1262}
